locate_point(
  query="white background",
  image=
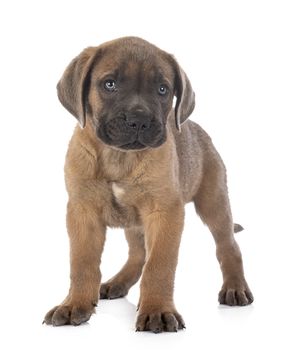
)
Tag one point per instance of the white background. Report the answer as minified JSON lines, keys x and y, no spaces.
{"x":234,"y":53}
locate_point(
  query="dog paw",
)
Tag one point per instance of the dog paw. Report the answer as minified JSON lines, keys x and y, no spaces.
{"x":158,"y":322}
{"x":113,"y":290}
{"x":68,"y":315}
{"x":235,"y":295}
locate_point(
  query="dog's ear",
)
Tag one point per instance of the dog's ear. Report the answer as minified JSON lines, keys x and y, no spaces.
{"x":74,"y":84}
{"x":185,"y":95}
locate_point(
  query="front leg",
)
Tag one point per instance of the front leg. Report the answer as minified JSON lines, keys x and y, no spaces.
{"x":87,"y":236}
{"x":163,"y":226}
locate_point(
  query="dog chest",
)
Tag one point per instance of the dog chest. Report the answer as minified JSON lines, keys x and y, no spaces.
{"x":118,"y":213}
{"x":117,"y":191}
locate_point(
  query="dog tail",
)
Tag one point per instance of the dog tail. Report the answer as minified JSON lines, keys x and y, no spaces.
{"x":237,"y":228}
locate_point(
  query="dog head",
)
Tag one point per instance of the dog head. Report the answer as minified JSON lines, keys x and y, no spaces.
{"x":126,"y":87}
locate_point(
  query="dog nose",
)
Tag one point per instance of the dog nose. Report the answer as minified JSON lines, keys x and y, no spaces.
{"x":138,"y":121}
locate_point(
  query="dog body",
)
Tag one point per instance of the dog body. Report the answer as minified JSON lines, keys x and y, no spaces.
{"x":133,"y":164}
{"x":124,"y":182}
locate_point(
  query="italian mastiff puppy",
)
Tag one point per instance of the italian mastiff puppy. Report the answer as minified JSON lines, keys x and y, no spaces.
{"x":134,"y":162}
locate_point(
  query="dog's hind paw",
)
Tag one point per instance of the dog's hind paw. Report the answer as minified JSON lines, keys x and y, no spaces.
{"x":233,"y":295}
{"x":113,"y":290}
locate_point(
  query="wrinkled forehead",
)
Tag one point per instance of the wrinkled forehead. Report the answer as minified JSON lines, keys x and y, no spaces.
{"x":135,"y":62}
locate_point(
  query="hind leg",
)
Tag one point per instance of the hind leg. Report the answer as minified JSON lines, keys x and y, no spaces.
{"x":119,"y":285}
{"x":212,"y":205}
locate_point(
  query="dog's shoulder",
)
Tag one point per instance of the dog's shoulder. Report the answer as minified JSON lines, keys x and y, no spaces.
{"x":81,"y":157}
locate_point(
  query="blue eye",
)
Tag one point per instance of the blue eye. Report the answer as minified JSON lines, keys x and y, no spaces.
{"x":110,"y":85}
{"x":162,"y":90}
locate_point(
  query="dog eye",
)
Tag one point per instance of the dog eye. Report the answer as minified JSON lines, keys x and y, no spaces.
{"x":110,"y":85}
{"x":162,"y":90}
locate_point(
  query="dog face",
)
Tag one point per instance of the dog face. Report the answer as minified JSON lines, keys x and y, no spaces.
{"x":126,"y":88}
{"x":135,"y":96}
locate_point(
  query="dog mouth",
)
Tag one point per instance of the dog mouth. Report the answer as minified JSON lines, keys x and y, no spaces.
{"x":136,"y":145}
{"x":117,"y":135}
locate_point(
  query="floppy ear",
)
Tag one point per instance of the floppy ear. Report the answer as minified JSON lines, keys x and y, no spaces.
{"x":74,"y":84}
{"x":185,"y":103}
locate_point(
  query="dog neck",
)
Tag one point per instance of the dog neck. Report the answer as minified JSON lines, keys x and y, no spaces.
{"x":113,"y":163}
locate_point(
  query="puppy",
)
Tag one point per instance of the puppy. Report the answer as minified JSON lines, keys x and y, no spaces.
{"x":134,"y":162}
